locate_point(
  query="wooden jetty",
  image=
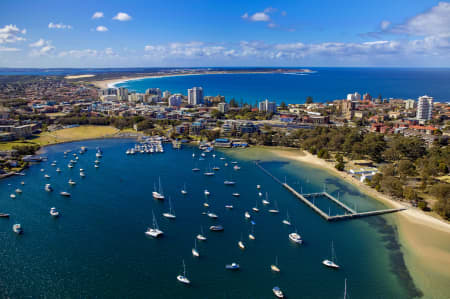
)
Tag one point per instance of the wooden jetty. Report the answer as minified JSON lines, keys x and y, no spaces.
{"x":350,"y":213}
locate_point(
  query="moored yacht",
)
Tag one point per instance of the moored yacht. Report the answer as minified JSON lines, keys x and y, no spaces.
{"x":229,"y":182}
{"x":183,"y":278}
{"x":54,"y":212}
{"x":212,"y":215}
{"x":235,"y":194}
{"x":48,"y":187}
{"x":232,"y":266}
{"x":229,"y":206}
{"x":18,"y":190}
{"x":206,"y":192}
{"x":277,"y":292}
{"x":275,"y":267}
{"x":201,"y":236}
{"x":184,"y":191}
{"x":287,"y":221}
{"x":154,"y":231}
{"x":331,"y":263}
{"x":71,"y":182}
{"x":13,"y":196}
{"x":17,"y":228}
{"x":170,"y":214}
{"x":194,"y":250}
{"x":247,"y":215}
{"x":216,"y":228}
{"x":64,"y":193}
{"x":158,"y":194}
{"x":275,"y":210}
{"x":295,"y":237}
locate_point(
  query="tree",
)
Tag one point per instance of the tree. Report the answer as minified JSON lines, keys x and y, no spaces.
{"x":309,"y":100}
{"x":406,"y":168}
{"x":410,"y":194}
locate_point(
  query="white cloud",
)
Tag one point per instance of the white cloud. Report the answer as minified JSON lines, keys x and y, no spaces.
{"x":245,"y":16}
{"x":121,"y":16}
{"x":41,"y":42}
{"x":270,"y":10}
{"x":97,"y":15}
{"x":272,"y":25}
{"x":260,"y":17}
{"x":384,"y":25}
{"x":52,"y":25}
{"x":41,"y":47}
{"x":8,"y":49}
{"x":101,"y":29}
{"x":86,"y":53}
{"x":11,"y":34}
{"x":431,"y":22}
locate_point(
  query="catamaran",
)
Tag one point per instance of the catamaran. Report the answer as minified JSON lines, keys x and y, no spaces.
{"x":183,"y":278}
{"x":158,"y":194}
{"x":287,"y":221}
{"x":154,"y":231}
{"x":200,"y":236}
{"x":331,"y":264}
{"x":194,"y":250}
{"x":274,"y":267}
{"x":171,"y":214}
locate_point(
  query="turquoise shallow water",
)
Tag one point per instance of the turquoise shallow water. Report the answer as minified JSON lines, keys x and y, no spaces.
{"x":97,"y":248}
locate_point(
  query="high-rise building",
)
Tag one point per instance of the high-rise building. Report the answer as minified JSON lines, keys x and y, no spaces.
{"x":354,"y":96}
{"x":122,"y":94}
{"x":266,"y":106}
{"x":348,"y":108}
{"x":153,"y":91}
{"x":175,"y":100}
{"x":166,"y":94}
{"x":367,"y":97}
{"x":410,"y":104}
{"x":223,"y":107}
{"x":424,"y":108}
{"x":195,"y":96}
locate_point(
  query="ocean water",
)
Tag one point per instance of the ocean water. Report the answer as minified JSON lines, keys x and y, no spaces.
{"x":97,"y":248}
{"x":325,"y":84}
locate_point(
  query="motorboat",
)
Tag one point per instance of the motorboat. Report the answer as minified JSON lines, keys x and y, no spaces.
{"x":17,"y":228}
{"x":212,"y":215}
{"x":278,"y":293}
{"x":82,"y":174}
{"x":64,"y":193}
{"x":54,"y":212}
{"x":229,"y":206}
{"x":13,"y":196}
{"x":216,"y":228}
{"x":236,"y":167}
{"x":46,"y":176}
{"x":206,"y":192}
{"x":247,"y":215}
{"x":18,"y":190}
{"x":70,"y":165}
{"x":232,"y":266}
{"x":295,"y":237}
{"x":235,"y":194}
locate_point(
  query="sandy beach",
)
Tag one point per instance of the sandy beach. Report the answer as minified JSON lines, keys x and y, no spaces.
{"x":425,"y":239}
{"x":110,"y":83}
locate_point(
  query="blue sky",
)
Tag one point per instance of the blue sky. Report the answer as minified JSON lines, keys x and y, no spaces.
{"x":224,"y":33}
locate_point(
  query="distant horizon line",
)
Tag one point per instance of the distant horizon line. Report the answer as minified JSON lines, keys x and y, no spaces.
{"x":227,"y":67}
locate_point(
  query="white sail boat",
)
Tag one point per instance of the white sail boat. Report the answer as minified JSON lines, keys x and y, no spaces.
{"x":171,"y":214}
{"x":183,"y":278}
{"x":251,"y":235}
{"x":274,"y":211}
{"x":241,"y":244}
{"x":194,"y":250}
{"x":154,"y":231}
{"x":295,"y":237}
{"x":266,"y":201}
{"x":201,"y":236}
{"x":158,"y":194}
{"x":255,"y":208}
{"x":275,"y":267}
{"x":331,"y":263}
{"x":287,"y":221}
{"x":209,"y":172}
{"x":184,"y":191}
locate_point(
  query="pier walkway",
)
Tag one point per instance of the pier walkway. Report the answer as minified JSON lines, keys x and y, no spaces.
{"x":349,"y":214}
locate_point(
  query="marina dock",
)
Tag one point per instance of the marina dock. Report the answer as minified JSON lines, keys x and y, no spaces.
{"x":349,"y":213}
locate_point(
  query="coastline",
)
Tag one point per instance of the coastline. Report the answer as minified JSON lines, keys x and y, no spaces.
{"x":110,"y":83}
{"x":424,"y":239}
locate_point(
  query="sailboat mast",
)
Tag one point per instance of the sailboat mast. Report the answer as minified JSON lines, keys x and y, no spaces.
{"x":345,"y":289}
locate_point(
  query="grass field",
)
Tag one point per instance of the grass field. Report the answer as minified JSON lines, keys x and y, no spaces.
{"x":64,"y":135}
